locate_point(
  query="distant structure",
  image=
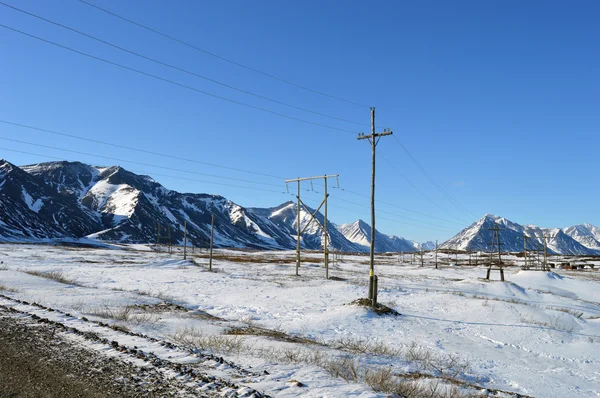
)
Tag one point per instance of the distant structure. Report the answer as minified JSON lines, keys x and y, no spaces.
{"x":498,"y":262}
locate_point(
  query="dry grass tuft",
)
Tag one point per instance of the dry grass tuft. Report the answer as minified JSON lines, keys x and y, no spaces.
{"x":196,"y":340}
{"x":55,"y":276}
{"x":4,"y":288}
{"x":125,"y":314}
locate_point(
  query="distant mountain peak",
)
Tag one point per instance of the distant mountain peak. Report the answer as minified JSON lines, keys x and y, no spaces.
{"x":478,"y":237}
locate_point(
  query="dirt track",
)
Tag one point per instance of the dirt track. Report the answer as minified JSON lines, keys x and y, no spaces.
{"x":37,"y":360}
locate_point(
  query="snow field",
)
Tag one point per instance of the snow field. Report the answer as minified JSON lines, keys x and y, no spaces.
{"x":538,"y":334}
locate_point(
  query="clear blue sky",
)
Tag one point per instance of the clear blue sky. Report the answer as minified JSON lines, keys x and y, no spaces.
{"x":498,"y":101}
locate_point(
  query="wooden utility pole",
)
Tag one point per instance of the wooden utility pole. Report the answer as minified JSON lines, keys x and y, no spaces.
{"x":212,"y":234}
{"x":526,"y":266}
{"x":299,"y":233}
{"x":436,"y":251}
{"x":421,"y":255}
{"x":325,"y":250}
{"x":546,"y":268}
{"x":373,"y":139}
{"x":185,"y":240}
{"x":170,"y":245}
{"x":313,"y":218}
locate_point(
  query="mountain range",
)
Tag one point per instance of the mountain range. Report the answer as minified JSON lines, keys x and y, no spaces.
{"x":72,"y":200}
{"x":583,"y":239}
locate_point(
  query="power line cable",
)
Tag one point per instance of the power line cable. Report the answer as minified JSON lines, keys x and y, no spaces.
{"x":399,"y":207}
{"x":220,"y":57}
{"x":180,"y":69}
{"x":414,"y":186}
{"x":395,"y":221}
{"x":158,"y":174}
{"x":137,"y":149}
{"x":450,"y":198}
{"x":174,"y":82}
{"x":135,"y":162}
{"x":393,"y":214}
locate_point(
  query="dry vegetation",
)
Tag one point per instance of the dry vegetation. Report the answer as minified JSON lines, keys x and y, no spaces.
{"x":4,"y":288}
{"x":55,"y":276}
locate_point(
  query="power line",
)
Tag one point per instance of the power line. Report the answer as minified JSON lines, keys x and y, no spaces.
{"x":392,"y":214}
{"x":220,"y":57}
{"x":139,"y":163}
{"x":399,"y":207}
{"x":136,"y":149}
{"x":153,"y":173}
{"x":174,"y":82}
{"x":180,"y":69}
{"x":450,"y":198}
{"x":395,"y":221}
{"x":389,"y":219}
{"x":415,"y":187}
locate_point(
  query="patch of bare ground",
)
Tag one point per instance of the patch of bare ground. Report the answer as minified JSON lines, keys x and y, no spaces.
{"x":40,"y":362}
{"x":379,"y":309}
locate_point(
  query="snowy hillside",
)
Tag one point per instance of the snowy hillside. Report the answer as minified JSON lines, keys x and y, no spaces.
{"x":113,"y":204}
{"x":31,"y":210}
{"x":359,"y":232}
{"x":478,"y":237}
{"x":285,"y":217}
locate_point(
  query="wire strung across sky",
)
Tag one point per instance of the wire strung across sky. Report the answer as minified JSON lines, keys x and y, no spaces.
{"x":399,"y":207}
{"x":187,"y":44}
{"x":446,"y":194}
{"x":139,"y":163}
{"x":188,"y":171}
{"x":215,"y":183}
{"x":434,"y":227}
{"x":137,"y":149}
{"x":415,"y":187}
{"x":181,"y":69}
{"x":153,"y":173}
{"x":172,"y":81}
{"x":437,"y":186}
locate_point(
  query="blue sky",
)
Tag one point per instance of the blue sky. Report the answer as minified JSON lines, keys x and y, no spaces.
{"x":498,"y":101}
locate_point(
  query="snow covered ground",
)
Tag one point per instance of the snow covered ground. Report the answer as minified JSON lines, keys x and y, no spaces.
{"x":537,"y":334}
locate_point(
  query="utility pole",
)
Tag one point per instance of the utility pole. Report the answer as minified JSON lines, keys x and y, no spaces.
{"x":421,"y":254}
{"x":325,"y":251}
{"x":436,"y":251}
{"x":185,"y":239}
{"x":158,"y":238}
{"x":212,"y":233}
{"x":299,"y":233}
{"x":546,"y":268}
{"x":373,"y":139}
{"x":170,"y":245}
{"x":313,"y":218}
{"x":525,"y":237}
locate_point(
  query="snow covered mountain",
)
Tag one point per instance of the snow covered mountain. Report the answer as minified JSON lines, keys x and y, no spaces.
{"x":30,"y":209}
{"x":586,"y":234}
{"x":478,"y":237}
{"x":359,"y":232}
{"x":73,"y":200}
{"x":285,"y":217}
{"x":130,"y":208}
